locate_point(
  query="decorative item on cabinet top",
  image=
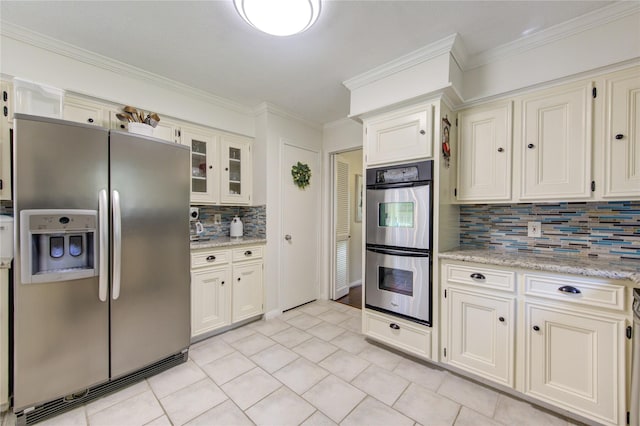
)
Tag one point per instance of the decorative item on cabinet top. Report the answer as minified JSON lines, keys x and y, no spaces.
{"x":139,"y":122}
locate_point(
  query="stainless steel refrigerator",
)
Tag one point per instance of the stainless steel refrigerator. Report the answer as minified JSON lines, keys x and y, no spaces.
{"x":101,"y":286}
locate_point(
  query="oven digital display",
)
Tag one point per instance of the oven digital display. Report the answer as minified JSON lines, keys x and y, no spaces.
{"x":403,"y":174}
{"x":395,"y":280}
{"x":396,"y":215}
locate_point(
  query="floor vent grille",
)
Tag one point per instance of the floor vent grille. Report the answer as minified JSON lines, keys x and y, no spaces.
{"x":60,"y":405}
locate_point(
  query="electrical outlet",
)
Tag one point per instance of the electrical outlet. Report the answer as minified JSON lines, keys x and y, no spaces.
{"x":217,"y":219}
{"x":534,"y":229}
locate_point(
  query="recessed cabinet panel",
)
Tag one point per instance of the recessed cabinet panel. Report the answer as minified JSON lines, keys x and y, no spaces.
{"x":556,"y":144}
{"x":484,"y":153}
{"x":210,"y":299}
{"x":247,"y":291}
{"x":481,"y":334}
{"x":400,"y":137}
{"x":572,"y":360}
{"x":83,"y":111}
{"x":622,"y":136}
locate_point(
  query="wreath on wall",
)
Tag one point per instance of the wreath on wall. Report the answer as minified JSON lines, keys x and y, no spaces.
{"x":301,"y":175}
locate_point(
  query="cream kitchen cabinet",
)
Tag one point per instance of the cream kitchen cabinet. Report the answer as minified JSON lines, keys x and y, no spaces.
{"x":210,"y":299}
{"x":205,"y":173}
{"x":6,"y":124}
{"x":556,"y":143}
{"x":226,"y":287}
{"x":484,"y":153}
{"x":407,"y":336}
{"x":557,"y":338}
{"x":575,"y":345}
{"x":168,"y":130}
{"x":622,"y":135}
{"x":85,"y":111}
{"x":403,"y":135}
{"x":480,"y":317}
{"x":236,"y":169}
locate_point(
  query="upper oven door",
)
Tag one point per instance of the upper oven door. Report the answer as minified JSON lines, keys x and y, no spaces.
{"x":399,"y":217}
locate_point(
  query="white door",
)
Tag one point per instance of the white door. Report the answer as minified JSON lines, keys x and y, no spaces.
{"x":301,"y":228}
{"x":341,"y":204}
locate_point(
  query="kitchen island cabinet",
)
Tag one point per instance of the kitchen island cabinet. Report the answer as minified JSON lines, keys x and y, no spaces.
{"x":226,"y":287}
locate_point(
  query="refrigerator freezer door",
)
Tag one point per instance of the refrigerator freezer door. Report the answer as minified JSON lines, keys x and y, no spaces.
{"x":61,"y":329}
{"x":150,"y":317}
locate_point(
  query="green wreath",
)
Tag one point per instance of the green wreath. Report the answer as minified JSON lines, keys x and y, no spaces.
{"x":301,"y":175}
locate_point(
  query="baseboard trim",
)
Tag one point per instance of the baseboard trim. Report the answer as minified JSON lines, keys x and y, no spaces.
{"x":355,"y":283}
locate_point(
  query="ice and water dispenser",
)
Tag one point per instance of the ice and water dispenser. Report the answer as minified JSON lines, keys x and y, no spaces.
{"x":58,"y":245}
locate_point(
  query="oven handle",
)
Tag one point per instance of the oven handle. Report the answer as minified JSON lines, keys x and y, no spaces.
{"x":396,"y":252}
{"x":398,"y":185}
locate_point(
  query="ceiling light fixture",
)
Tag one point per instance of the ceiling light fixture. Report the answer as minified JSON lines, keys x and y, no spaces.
{"x":279,"y":17}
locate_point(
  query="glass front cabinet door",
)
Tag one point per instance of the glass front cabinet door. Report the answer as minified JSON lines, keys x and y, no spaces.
{"x":235,"y":171}
{"x":204,"y":168}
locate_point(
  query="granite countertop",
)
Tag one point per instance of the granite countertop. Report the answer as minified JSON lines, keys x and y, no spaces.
{"x":623,"y":269}
{"x":226,"y":242}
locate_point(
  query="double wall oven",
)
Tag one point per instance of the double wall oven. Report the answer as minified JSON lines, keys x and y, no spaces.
{"x":398,"y":240}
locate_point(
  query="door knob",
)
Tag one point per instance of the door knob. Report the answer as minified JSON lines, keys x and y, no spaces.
{"x":287,"y":237}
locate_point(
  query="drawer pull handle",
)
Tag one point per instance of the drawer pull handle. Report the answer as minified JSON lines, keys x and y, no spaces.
{"x":248,"y":253}
{"x":619,"y":136}
{"x":477,"y":276}
{"x":536,"y":328}
{"x":394,"y":326}
{"x":211,"y":258}
{"x":569,"y":289}
{"x":501,"y":319}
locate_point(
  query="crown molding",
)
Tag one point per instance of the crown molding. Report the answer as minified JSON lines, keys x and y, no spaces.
{"x":346,"y":121}
{"x":596,"y":18}
{"x":267,"y":107}
{"x":445,"y":45}
{"x":68,"y":50}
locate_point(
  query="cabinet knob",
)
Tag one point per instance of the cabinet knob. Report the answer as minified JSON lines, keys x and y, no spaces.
{"x":500,"y":149}
{"x":394,"y":326}
{"x":477,"y":276}
{"x":536,"y":328}
{"x":238,"y":278}
{"x":530,"y":146}
{"x":226,"y":169}
{"x":5,"y":96}
{"x":210,"y":167}
{"x":501,"y":319}
{"x":248,"y":253}
{"x":222,"y":283}
{"x":619,"y":136}
{"x":569,"y":289}
{"x":422,"y":132}
{"x":90,"y":120}
{"x":122,"y":126}
{"x":211,"y":258}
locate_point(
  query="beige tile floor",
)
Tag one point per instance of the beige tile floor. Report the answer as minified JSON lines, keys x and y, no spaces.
{"x":310,"y":366}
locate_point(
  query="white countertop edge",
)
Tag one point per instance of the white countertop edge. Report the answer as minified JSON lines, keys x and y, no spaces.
{"x":586,"y":266}
{"x":226,"y":242}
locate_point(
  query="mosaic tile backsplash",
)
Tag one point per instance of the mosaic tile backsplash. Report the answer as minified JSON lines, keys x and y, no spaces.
{"x":254,"y":219}
{"x":610,"y":229}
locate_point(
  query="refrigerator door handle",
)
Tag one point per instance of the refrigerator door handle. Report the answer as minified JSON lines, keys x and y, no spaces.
{"x":103,"y":277}
{"x":117,"y":243}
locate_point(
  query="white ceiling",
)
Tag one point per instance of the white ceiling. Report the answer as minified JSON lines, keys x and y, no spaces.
{"x":205,"y":44}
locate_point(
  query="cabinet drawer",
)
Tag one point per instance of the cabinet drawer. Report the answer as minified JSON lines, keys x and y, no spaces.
{"x":480,"y":277}
{"x":205,"y":258}
{"x":401,"y":334}
{"x":247,"y":253}
{"x":579,"y":291}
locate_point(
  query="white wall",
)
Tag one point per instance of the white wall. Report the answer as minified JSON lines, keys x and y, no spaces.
{"x":273,"y":126}
{"x":339,"y":136}
{"x":92,"y":75}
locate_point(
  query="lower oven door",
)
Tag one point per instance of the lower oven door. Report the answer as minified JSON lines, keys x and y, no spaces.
{"x":399,"y":282}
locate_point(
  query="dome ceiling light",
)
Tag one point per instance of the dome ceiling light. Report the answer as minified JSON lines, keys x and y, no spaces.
{"x":279,"y":17}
